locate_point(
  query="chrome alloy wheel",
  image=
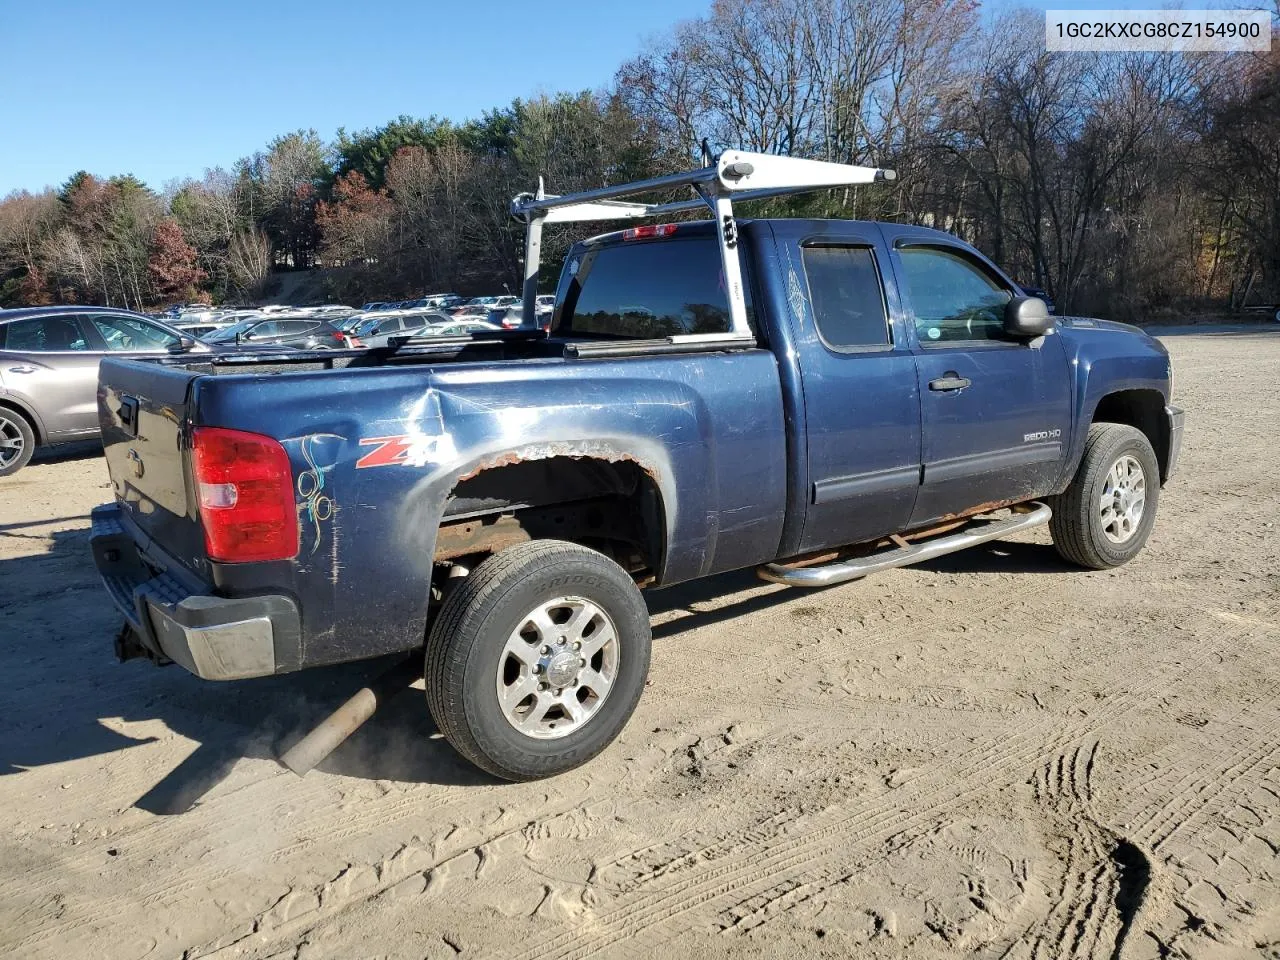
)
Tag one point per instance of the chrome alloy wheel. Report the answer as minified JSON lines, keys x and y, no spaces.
{"x":11,"y":442}
{"x":1124,"y":497}
{"x":557,"y":667}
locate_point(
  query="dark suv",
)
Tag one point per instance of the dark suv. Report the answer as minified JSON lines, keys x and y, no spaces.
{"x":280,"y":330}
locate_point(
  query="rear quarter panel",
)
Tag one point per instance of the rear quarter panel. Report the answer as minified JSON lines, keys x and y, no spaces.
{"x":377,"y":451}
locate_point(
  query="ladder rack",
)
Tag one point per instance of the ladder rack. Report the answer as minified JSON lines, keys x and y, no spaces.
{"x":734,"y":175}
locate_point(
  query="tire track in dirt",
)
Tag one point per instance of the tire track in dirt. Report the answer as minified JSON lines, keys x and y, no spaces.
{"x":157,"y":840}
{"x":998,"y":761}
{"x":1106,"y":872}
{"x":767,"y":832}
{"x":1084,"y":909}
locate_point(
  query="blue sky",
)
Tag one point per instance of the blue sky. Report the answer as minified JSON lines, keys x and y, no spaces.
{"x":164,"y":89}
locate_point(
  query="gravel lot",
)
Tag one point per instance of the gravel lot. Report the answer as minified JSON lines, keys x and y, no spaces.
{"x":992,"y":755}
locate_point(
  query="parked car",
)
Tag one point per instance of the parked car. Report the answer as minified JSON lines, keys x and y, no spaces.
{"x":878,"y":395}
{"x":481,"y":307}
{"x":377,"y":331}
{"x":49,"y":371}
{"x":281,"y":330}
{"x":349,"y":323}
{"x":512,"y":317}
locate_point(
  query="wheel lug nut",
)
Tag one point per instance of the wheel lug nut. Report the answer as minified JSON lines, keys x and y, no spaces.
{"x":546,"y":650}
{"x":581,"y":662}
{"x":577,"y":645}
{"x":542,"y":686}
{"x":537,"y":668}
{"x":559,"y":690}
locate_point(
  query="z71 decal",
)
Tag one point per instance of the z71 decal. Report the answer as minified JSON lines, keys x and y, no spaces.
{"x":409,"y":450}
{"x":389,"y":451}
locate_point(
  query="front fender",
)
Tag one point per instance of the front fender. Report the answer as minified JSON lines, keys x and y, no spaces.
{"x":1107,"y":358}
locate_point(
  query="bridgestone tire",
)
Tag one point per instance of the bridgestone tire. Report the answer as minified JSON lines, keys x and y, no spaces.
{"x":466,"y":647}
{"x":14,"y":426}
{"x":1077,"y":525}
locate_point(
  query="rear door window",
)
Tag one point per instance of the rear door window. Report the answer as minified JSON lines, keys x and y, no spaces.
{"x":646,"y":290}
{"x":847,"y":297}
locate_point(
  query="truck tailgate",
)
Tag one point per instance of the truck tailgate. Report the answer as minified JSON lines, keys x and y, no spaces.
{"x":142,"y":409}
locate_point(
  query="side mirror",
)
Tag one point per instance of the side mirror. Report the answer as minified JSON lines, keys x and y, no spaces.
{"x":1027,"y":318}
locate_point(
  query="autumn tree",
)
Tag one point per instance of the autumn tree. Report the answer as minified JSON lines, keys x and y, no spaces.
{"x":172,"y":265}
{"x":353,"y":225}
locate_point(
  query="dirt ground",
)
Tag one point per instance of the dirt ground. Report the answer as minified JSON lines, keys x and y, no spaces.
{"x":993,"y":755}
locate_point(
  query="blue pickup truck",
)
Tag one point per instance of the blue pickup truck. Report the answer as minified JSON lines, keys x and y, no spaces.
{"x":819,"y":399}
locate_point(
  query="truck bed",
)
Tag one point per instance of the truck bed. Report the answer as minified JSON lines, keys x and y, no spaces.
{"x":378,"y":440}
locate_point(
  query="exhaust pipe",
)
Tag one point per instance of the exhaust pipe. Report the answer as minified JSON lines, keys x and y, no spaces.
{"x":325,"y":738}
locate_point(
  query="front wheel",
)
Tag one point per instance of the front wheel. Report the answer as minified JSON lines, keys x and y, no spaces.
{"x":537,"y":659}
{"x":1104,"y":517}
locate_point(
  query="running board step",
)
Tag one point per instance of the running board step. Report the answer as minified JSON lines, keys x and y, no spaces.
{"x":1035,"y":515}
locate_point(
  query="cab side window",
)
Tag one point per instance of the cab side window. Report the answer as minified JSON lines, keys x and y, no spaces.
{"x":847,"y":297}
{"x":951,"y":297}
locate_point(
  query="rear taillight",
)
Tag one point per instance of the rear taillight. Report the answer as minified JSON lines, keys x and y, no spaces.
{"x":245,"y":490}
{"x":339,"y":336}
{"x":509,"y":324}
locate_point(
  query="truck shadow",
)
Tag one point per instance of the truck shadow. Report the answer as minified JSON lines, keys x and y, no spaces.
{"x":1002,"y":556}
{"x":71,"y":700}
{"x":746,"y":594}
{"x":400,"y":742}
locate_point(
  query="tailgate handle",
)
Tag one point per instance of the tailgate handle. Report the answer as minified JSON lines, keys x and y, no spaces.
{"x":22,"y":369}
{"x":128,"y":413}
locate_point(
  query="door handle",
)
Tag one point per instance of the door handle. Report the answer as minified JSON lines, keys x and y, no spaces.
{"x":950,"y":381}
{"x":22,"y":369}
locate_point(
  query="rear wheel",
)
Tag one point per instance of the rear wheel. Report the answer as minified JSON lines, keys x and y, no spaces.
{"x":1104,"y":518}
{"x":17,"y":442}
{"x":537,"y":659}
